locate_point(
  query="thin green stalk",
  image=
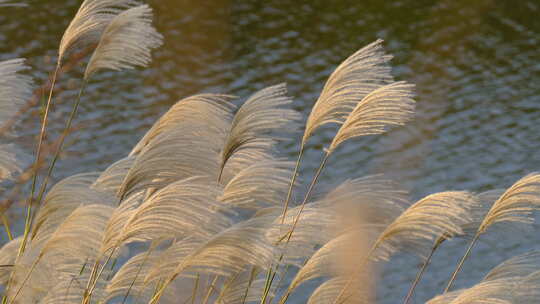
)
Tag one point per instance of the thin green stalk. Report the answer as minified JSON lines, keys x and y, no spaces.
{"x":34,"y":264}
{"x":61,"y":143}
{"x":6,"y":225}
{"x":28,"y":220}
{"x":295,"y":223}
{"x":93,"y":281}
{"x":291,"y":185}
{"x":419,"y":274}
{"x":195,"y":288}
{"x":460,"y":265}
{"x":251,"y":277}
{"x":136,"y":275}
{"x":210,"y":289}
{"x":307,"y":196}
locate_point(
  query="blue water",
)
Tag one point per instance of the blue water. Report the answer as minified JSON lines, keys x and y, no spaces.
{"x":475,"y":63}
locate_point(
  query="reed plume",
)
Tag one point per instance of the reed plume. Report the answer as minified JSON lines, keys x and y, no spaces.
{"x":126,"y":42}
{"x":515,"y":205}
{"x":364,"y":71}
{"x":15,"y":87}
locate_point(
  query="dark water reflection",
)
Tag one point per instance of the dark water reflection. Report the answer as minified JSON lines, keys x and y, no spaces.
{"x":476,"y":65}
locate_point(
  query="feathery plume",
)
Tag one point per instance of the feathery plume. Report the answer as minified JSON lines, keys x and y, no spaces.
{"x":389,"y":105}
{"x":111,"y":179}
{"x":12,"y":160}
{"x":499,"y":291}
{"x":263,"y":114}
{"x":8,"y":255}
{"x":210,"y":112}
{"x":89,"y":22}
{"x":127,"y":41}
{"x":186,"y":207}
{"x":170,"y":158}
{"x":516,"y":204}
{"x":353,"y":79}
{"x":15,"y":88}
{"x":518,"y":266}
{"x":332,"y":290}
{"x":261,"y":183}
{"x":63,"y":198}
{"x":417,"y":228}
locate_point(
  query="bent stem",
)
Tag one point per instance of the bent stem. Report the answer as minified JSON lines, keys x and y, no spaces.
{"x":29,"y":215}
{"x":289,"y":234}
{"x":460,"y":265}
{"x":65,"y":133}
{"x":291,"y":185}
{"x":419,"y":274}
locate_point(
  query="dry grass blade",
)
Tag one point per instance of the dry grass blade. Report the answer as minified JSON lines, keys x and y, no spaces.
{"x":415,"y":230}
{"x":89,"y":22}
{"x":353,"y":79}
{"x":212,"y":112}
{"x":516,"y":204}
{"x":264,"y":114}
{"x":186,"y":207}
{"x":127,"y":41}
{"x":386,"y":106}
{"x":261,"y":184}
{"x":15,"y":88}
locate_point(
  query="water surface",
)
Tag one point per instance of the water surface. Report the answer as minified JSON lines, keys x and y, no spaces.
{"x":475,"y":63}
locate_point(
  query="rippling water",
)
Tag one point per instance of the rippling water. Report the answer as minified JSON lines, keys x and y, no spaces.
{"x":476,"y":65}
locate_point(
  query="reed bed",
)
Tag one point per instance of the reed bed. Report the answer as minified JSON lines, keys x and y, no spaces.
{"x":204,"y":208}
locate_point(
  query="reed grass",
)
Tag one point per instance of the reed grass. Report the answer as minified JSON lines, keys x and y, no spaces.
{"x":210,"y":200}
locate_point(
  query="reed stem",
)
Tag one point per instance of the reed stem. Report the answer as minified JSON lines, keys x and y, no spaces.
{"x":460,"y":265}
{"x":28,"y":220}
{"x":291,"y":185}
{"x":419,"y":274}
